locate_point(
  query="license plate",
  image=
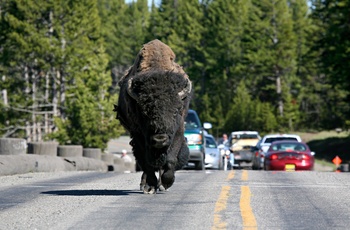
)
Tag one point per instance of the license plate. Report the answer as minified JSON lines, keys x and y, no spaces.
{"x":290,"y":167}
{"x":237,"y":157}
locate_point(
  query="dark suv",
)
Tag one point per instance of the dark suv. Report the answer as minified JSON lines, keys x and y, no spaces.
{"x":194,"y":133}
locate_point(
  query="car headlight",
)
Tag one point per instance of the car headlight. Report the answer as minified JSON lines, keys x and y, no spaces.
{"x":194,"y":139}
{"x":222,"y":152}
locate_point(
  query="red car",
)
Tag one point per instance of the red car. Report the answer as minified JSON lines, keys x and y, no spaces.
{"x":289,"y":156}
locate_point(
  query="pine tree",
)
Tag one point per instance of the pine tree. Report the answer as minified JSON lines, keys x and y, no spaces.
{"x":270,"y":51}
{"x":55,"y":56}
{"x":263,"y":117}
{"x":88,"y":119}
{"x":185,"y":38}
{"x":113,"y":14}
{"x":309,"y":84}
{"x":239,"y":116}
{"x":220,"y":59}
{"x":138,"y":24}
{"x":153,"y":26}
{"x":25,"y":57}
{"x":124,"y":28}
{"x":289,"y":121}
{"x":178,"y":23}
{"x":334,"y":45}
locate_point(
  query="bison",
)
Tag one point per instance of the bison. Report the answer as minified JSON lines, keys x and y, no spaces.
{"x":153,"y":102}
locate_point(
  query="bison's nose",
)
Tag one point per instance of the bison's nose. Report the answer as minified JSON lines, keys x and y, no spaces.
{"x":159,"y":140}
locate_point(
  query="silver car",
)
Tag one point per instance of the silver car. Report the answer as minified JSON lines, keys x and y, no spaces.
{"x":213,"y":159}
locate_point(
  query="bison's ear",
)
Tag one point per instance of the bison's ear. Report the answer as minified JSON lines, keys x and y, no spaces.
{"x":130,"y":90}
{"x":183,"y":93}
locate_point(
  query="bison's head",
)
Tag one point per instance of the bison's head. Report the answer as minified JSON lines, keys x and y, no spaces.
{"x":162,"y":101}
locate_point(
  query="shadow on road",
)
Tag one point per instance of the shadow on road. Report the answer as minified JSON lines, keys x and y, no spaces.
{"x":92,"y":192}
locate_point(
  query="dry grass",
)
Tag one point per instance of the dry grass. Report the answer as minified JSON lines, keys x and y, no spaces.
{"x":307,"y":137}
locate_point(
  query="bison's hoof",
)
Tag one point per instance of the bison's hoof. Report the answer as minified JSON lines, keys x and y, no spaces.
{"x":142,"y":187}
{"x":168,"y":179}
{"x":161,"y":188}
{"x":149,"y":189}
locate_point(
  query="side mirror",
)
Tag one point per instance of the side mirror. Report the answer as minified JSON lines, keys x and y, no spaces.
{"x":207,"y":125}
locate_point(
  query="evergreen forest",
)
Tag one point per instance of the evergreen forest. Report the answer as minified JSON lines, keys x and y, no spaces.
{"x":264,"y":65}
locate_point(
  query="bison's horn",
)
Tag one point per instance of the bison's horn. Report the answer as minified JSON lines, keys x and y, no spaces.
{"x":186,"y":90}
{"x":130,"y":91}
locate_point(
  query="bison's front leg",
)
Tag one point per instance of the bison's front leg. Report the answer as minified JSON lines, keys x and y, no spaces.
{"x":176,"y":160}
{"x":160,"y":183}
{"x":143,"y":181}
{"x":149,"y":182}
{"x":167,"y":177}
{"x":145,"y":187}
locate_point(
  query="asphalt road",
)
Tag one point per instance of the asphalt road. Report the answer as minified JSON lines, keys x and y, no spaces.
{"x":237,"y":199}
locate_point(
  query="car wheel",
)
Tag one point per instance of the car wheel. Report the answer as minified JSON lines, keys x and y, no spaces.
{"x":254,"y":167}
{"x":265,"y":168}
{"x":221,"y":164}
{"x":199,"y":165}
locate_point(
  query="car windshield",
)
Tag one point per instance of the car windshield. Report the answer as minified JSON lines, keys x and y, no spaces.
{"x":191,"y":121}
{"x":210,"y":142}
{"x":258,"y":145}
{"x":237,"y":137}
{"x":288,"y":146}
{"x":272,"y":139}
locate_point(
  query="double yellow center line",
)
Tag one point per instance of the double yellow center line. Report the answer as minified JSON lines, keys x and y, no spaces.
{"x":247,"y":214}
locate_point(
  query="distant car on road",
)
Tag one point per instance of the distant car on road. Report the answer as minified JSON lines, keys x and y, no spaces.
{"x":194,"y":134}
{"x":213,"y":159}
{"x":240,"y":144}
{"x":259,"y":151}
{"x":289,"y":156}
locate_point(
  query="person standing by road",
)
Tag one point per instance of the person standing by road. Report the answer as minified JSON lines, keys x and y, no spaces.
{"x":230,"y":157}
{"x":224,"y":139}
{"x":125,"y":156}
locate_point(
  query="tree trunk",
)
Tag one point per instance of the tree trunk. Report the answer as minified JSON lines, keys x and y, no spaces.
{"x":34,"y":130}
{"x":279,"y":95}
{"x":46,"y":100}
{"x":27,"y":90}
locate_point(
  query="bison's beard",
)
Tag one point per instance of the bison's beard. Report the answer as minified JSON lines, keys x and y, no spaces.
{"x":156,"y":157}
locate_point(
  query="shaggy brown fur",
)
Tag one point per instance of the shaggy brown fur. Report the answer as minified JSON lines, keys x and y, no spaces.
{"x":154,"y":55}
{"x":153,"y":103}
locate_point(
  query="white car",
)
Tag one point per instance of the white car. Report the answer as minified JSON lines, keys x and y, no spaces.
{"x":213,"y":159}
{"x":263,"y":145}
